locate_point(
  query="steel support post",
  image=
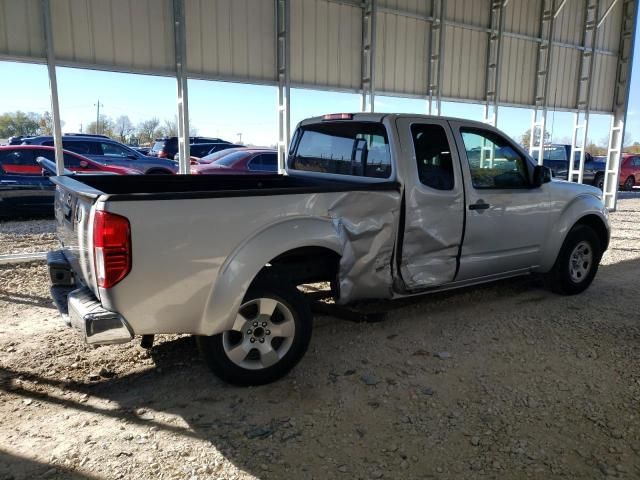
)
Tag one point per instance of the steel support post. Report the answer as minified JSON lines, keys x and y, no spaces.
{"x":583,"y":95}
{"x":628,"y":31}
{"x":436,"y":51}
{"x":541,"y":88}
{"x":283,"y":55}
{"x":368,"y":60}
{"x":53,"y":86}
{"x":494,"y":55}
{"x":180,"y":36}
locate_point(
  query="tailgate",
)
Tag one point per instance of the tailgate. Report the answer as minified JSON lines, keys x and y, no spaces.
{"x":73,"y":202}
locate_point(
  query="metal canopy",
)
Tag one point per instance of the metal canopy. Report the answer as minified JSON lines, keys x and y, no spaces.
{"x":542,"y":54}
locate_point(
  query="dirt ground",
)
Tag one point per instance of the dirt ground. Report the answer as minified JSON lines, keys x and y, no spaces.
{"x":502,"y":381}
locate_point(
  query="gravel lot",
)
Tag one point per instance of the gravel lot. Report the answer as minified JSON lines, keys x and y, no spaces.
{"x":501,"y":381}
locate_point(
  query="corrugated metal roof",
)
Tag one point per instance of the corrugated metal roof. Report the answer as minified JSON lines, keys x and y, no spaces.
{"x":235,"y":40}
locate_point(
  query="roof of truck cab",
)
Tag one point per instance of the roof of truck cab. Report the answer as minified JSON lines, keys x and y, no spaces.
{"x":379,"y":117}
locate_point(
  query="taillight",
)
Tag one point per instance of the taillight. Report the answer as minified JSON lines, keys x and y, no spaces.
{"x":162,"y":154}
{"x":111,"y":248}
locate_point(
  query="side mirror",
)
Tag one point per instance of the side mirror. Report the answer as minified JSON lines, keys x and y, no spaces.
{"x":541,"y":174}
{"x":84,"y":164}
{"x":46,"y":172}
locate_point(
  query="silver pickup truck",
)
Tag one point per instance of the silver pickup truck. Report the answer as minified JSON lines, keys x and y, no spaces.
{"x":381,"y":206}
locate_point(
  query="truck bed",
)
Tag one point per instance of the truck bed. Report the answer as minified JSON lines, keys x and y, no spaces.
{"x":165,"y":187}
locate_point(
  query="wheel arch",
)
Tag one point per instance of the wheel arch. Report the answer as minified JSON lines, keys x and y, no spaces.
{"x":288,"y":240}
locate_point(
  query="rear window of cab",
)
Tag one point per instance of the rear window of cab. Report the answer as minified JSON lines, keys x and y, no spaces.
{"x":344,"y":148}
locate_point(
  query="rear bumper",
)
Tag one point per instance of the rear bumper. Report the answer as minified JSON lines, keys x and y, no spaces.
{"x":82,"y":310}
{"x":97,"y":325}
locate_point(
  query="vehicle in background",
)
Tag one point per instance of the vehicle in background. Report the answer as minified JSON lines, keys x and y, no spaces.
{"x":556,"y":157}
{"x":247,"y":160}
{"x":199,"y":150}
{"x":17,"y":140}
{"x":25,"y":187}
{"x":168,"y":147}
{"x":108,"y":152}
{"x":142,"y":150}
{"x":629,"y":171}
{"x":379,"y":206}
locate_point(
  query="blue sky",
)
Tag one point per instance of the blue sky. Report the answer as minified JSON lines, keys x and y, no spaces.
{"x":226,"y":109}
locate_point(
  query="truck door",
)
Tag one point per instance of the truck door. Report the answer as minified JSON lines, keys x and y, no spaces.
{"x":434,"y":203}
{"x":506,"y":221}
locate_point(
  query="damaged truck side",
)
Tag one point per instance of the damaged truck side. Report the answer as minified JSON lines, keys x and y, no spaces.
{"x":381,"y":206}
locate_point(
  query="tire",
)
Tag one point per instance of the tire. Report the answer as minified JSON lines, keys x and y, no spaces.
{"x":245,"y":355}
{"x":628,"y":184}
{"x":577,"y":262}
{"x":598,"y":181}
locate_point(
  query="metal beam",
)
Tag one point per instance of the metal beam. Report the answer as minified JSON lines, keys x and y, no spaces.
{"x":53,"y":86}
{"x":368,"y":56}
{"x":606,"y":13}
{"x":180,"y":35}
{"x":583,"y":90}
{"x":628,"y":32}
{"x":283,"y":56}
{"x":436,"y":51}
{"x":494,"y":56}
{"x":541,"y":86}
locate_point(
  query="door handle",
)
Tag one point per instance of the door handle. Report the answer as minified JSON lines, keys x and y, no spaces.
{"x":479,"y":205}
{"x":8,"y":181}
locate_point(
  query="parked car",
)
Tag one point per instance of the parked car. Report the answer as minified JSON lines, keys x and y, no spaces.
{"x":25,"y":188}
{"x":167,"y":147}
{"x":382,"y":206}
{"x":556,"y":157}
{"x":199,"y":150}
{"x":243,"y":160}
{"x":108,"y":152}
{"x":629,"y":171}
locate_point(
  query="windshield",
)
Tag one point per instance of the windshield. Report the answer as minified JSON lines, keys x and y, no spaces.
{"x":552,"y":153}
{"x":230,"y":159}
{"x":157,"y":146}
{"x":212,"y":157}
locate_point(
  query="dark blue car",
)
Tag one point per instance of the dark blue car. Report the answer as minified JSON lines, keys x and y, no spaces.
{"x":108,"y":152}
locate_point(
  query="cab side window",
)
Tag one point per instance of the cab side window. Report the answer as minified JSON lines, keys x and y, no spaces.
{"x":113,"y":150}
{"x":493,"y":162}
{"x":433,"y":156}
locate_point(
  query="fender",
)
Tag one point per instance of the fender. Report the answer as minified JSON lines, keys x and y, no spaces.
{"x":564,"y":217}
{"x":245,"y":262}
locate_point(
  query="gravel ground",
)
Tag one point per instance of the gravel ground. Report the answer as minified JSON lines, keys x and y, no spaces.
{"x":502,"y":381}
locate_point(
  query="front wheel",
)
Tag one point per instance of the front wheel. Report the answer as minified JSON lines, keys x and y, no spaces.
{"x":577,"y":262}
{"x":598,"y":181}
{"x":269,"y":337}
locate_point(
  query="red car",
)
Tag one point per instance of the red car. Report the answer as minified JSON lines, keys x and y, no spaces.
{"x":212,"y":157}
{"x":21,"y":160}
{"x":246,"y":160}
{"x":629,"y":171}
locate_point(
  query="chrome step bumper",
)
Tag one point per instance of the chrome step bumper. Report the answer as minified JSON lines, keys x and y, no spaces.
{"x":97,"y":325}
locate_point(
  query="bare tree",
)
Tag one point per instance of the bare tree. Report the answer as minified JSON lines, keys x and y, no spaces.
{"x":123,"y":128}
{"x":147,"y":130}
{"x":106,"y":127}
{"x":525,"y":138}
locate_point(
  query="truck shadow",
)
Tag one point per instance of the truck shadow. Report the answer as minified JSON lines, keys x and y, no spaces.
{"x":326,"y":410}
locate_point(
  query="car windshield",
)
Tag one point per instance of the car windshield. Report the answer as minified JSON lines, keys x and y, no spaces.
{"x":230,"y":159}
{"x":218,"y":155}
{"x":552,"y":153}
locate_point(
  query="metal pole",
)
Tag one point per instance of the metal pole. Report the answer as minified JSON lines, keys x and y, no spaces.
{"x":53,"y":86}
{"x":368,"y":55}
{"x":436,"y":50}
{"x":494,"y":55}
{"x":182,"y":90}
{"x":284,"y":81}
{"x":628,"y":33}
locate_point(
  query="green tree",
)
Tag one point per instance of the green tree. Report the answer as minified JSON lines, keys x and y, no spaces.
{"x":19,"y":123}
{"x":105,"y":127}
{"x":45,"y":124}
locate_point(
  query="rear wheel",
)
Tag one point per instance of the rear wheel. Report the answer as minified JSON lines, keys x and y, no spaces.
{"x":598,"y":181}
{"x":629,"y":183}
{"x":577,"y":262}
{"x":269,"y":337}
